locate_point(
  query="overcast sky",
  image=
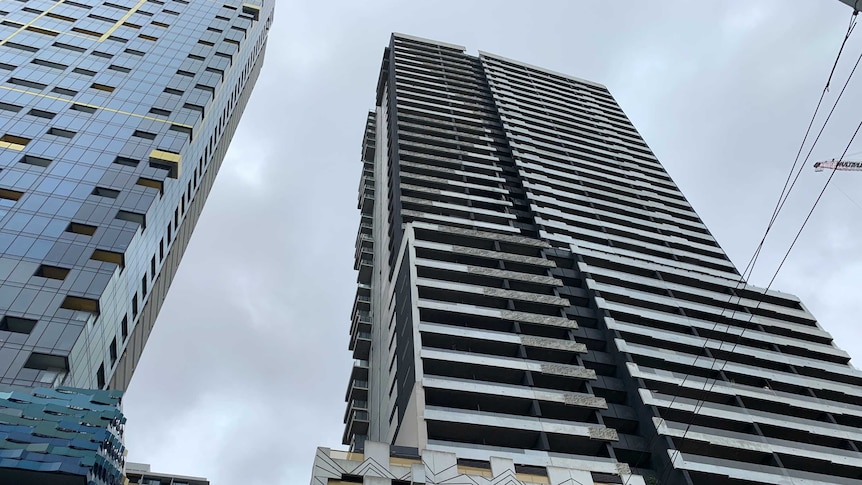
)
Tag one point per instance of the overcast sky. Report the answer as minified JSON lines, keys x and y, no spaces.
{"x":245,"y":372}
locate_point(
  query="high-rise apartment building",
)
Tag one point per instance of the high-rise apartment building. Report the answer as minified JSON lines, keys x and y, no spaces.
{"x":116,"y":116}
{"x":538,"y":303}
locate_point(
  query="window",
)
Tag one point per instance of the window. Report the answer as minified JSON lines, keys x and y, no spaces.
{"x":37,"y":161}
{"x":86,"y":32}
{"x":106,"y":256}
{"x":80,"y":304}
{"x":182,"y":129}
{"x":148,"y":182}
{"x":103,"y":192}
{"x":103,"y":55}
{"x":52,"y":65}
{"x":129,"y":162}
{"x":64,"y":91}
{"x":100,"y":376}
{"x":41,"y":114}
{"x":76,"y":4}
{"x":135,"y":52}
{"x":135,"y":306}
{"x":169,"y":232}
{"x":61,"y":133}
{"x":26,"y":83}
{"x":144,"y":134}
{"x":52,"y":272}
{"x":195,"y":107}
{"x":10,"y":107}
{"x":153,"y":267}
{"x":162,"y":249}
{"x":103,"y":87}
{"x":160,"y":112}
{"x":21,"y":47}
{"x":124,"y":327}
{"x":132,"y":217}
{"x":79,"y":228}
{"x":169,"y":161}
{"x":40,"y":30}
{"x":67,"y":46}
{"x":17,"y":324}
{"x":144,"y":286}
{"x":173,"y":91}
{"x":18,"y":142}
{"x":60,"y":17}
{"x":40,"y":361}
{"x":102,"y":18}
{"x":113,"y":351}
{"x":209,"y":89}
{"x":83,"y":108}
{"x":85,"y":72}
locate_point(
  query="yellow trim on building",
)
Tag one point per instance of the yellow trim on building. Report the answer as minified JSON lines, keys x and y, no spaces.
{"x":255,"y":10}
{"x":404,"y":461}
{"x":65,"y":100}
{"x":172,"y":159}
{"x":122,"y":20}
{"x":11,"y":146}
{"x":530,"y":478}
{"x":475,"y":471}
{"x":31,"y":22}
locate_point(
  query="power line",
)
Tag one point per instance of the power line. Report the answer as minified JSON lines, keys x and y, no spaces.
{"x":785,"y":192}
{"x":699,"y":404}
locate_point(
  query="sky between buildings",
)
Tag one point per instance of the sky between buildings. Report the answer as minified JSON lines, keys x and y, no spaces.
{"x":245,"y":372}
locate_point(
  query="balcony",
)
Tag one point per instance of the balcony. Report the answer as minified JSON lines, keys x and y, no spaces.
{"x":361,"y":345}
{"x":364,"y":249}
{"x":366,"y":268}
{"x":363,"y":255}
{"x":360,"y":370}
{"x":366,"y":180}
{"x":363,"y":240}
{"x":356,"y":389}
{"x":361,"y":323}
{"x":366,"y":201}
{"x":356,"y":424}
{"x":362,"y":303}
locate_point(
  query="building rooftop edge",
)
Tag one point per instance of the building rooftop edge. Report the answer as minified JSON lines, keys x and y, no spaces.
{"x":429,"y":41}
{"x":543,"y":69}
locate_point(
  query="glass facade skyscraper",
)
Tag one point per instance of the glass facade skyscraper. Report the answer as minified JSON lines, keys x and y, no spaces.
{"x":115,"y":119}
{"x":115,"y":116}
{"x":537,"y":302}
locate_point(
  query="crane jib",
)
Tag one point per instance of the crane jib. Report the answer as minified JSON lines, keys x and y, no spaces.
{"x":838,"y":165}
